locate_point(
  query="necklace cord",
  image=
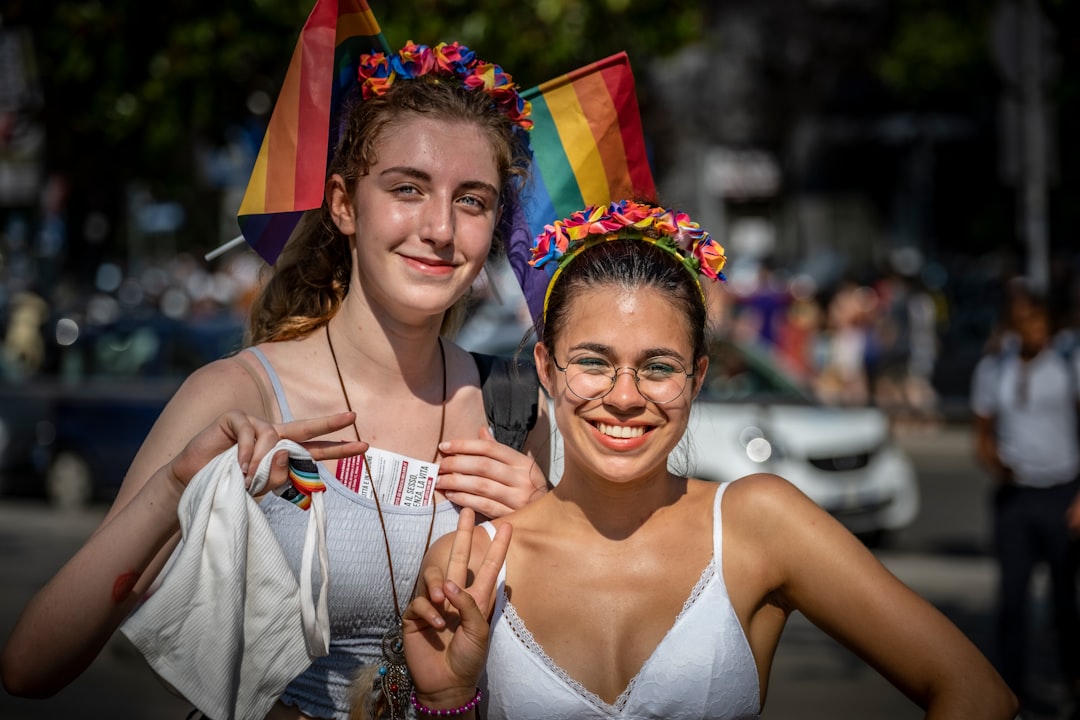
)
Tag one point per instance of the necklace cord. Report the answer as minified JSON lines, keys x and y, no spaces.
{"x":367,"y":468}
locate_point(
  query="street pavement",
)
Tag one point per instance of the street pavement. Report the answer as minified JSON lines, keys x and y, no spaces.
{"x":35,"y":542}
{"x":943,"y":556}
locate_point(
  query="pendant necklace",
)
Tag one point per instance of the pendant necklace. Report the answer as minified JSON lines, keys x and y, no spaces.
{"x":393,"y":680}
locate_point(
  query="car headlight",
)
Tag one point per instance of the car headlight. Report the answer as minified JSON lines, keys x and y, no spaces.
{"x":757,"y":446}
{"x":759,"y":450}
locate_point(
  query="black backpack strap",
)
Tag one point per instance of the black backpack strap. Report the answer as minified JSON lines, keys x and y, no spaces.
{"x":511,"y":389}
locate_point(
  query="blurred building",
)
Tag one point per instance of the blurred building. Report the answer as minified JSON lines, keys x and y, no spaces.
{"x":779,"y":133}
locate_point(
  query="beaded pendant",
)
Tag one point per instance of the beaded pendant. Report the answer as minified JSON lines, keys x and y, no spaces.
{"x":394,"y":680}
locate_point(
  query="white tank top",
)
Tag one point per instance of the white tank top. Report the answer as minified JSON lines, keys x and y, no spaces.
{"x":703,"y":668}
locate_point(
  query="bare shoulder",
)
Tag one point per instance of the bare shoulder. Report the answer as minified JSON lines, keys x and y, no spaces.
{"x":205,"y":395}
{"x":232,"y":383}
{"x":766,"y":493}
{"x":769,"y":512}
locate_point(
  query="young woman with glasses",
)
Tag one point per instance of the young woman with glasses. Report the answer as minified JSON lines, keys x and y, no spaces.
{"x":630,"y":591}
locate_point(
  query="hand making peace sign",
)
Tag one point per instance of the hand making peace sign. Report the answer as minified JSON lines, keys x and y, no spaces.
{"x":446,"y":624}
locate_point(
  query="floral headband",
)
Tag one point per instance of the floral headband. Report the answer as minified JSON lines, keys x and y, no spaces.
{"x":670,"y":230}
{"x":378,"y":72}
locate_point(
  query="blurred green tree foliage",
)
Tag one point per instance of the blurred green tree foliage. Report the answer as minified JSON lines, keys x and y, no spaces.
{"x":938,"y":52}
{"x":140,"y":83}
{"x":134,"y":89}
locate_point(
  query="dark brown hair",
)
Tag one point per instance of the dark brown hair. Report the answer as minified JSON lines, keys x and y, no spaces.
{"x":629,"y":264}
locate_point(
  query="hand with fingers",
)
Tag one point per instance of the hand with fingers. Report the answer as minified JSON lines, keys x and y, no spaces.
{"x":491,"y":478}
{"x":446,"y":625}
{"x":255,"y":437}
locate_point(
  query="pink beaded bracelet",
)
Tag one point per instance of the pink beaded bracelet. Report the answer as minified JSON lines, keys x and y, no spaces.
{"x":448,"y":712}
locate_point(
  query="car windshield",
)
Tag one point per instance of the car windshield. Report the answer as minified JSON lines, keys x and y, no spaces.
{"x":741,"y":373}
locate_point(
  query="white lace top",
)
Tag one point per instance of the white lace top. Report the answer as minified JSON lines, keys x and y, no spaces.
{"x":703,"y":668}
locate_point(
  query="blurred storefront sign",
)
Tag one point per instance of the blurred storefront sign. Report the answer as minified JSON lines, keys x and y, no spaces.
{"x":741,"y":174}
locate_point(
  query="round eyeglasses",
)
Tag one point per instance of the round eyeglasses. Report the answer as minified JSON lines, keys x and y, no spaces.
{"x":658,"y":379}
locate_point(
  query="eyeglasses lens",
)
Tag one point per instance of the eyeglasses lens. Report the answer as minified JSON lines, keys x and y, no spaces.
{"x":659,"y":380}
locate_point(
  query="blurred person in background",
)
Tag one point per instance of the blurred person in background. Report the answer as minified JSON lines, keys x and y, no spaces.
{"x":797,"y":337}
{"x":906,"y":335}
{"x":844,"y":345}
{"x":24,"y":341}
{"x":1025,"y":396}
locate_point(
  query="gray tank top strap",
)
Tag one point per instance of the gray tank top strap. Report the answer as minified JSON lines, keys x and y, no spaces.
{"x":275,"y":382}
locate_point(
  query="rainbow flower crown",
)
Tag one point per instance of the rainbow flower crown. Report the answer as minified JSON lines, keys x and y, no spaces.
{"x":671,"y":230}
{"x":378,"y":71}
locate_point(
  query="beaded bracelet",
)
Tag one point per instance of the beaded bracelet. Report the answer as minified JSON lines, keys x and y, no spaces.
{"x":448,"y":712}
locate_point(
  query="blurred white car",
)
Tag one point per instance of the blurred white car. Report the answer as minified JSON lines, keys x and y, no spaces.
{"x":753,"y":417}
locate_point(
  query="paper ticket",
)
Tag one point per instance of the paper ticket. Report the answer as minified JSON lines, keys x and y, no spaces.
{"x":400,"y":480}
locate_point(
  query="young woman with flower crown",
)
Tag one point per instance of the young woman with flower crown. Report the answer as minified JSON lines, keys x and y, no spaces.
{"x":348,"y":331}
{"x":629,"y":591}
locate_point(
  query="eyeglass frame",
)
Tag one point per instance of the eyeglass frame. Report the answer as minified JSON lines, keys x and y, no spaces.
{"x":615,"y":378}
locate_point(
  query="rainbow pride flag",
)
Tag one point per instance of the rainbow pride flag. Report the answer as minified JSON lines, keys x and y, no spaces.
{"x":290,"y":171}
{"x":588,"y":149}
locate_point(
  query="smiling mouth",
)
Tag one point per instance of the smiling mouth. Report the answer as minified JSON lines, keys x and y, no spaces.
{"x":432,"y":263}
{"x":620,"y":431}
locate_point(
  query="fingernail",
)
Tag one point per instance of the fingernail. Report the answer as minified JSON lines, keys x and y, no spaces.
{"x":452,"y":588}
{"x":445,"y":445}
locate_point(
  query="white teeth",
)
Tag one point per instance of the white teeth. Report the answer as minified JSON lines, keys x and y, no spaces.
{"x":621,"y":431}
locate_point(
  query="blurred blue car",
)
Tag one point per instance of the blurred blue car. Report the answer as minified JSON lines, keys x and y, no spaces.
{"x":71,"y":436}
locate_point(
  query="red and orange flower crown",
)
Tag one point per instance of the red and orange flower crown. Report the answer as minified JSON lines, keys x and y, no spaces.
{"x":378,"y":71}
{"x":671,"y":230}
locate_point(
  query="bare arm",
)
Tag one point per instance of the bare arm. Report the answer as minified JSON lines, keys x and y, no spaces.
{"x":66,"y":624}
{"x":827,"y":574}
